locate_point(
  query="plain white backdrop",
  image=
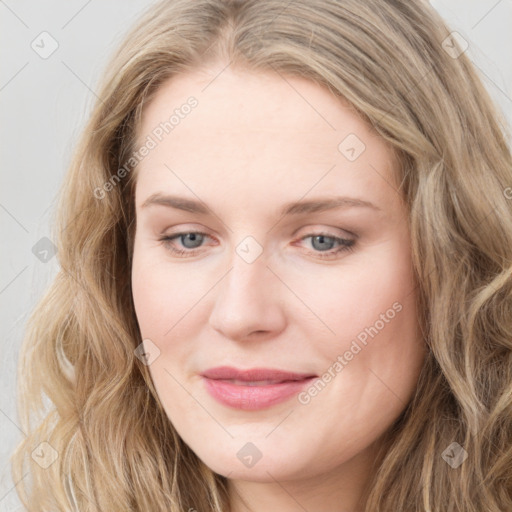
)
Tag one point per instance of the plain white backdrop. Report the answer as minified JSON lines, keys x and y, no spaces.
{"x":44,"y":103}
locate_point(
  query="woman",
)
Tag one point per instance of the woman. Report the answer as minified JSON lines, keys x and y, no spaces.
{"x":257,"y":369}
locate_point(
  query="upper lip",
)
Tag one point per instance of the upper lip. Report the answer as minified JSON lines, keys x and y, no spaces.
{"x":253,"y":374}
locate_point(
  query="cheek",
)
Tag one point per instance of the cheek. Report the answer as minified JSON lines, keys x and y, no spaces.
{"x":378,"y":345}
{"x":152,"y":292}
{"x":351,"y":297}
{"x":149,"y":298}
{"x":162,"y":317}
{"x":162,"y":293}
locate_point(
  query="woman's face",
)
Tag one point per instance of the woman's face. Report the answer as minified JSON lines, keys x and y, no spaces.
{"x":323,"y":290}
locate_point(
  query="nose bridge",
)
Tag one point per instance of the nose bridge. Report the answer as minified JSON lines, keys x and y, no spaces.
{"x":246,"y":299}
{"x":248,"y":277}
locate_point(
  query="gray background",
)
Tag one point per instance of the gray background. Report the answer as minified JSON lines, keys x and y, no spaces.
{"x":44,"y":103}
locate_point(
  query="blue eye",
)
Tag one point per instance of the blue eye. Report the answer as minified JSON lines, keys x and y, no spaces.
{"x":192,"y":240}
{"x":343,"y":244}
{"x":195,"y":236}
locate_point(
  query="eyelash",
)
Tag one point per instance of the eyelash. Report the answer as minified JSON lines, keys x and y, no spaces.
{"x":347,"y":245}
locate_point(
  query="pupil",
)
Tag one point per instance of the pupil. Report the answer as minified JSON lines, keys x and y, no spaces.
{"x":192,"y":237}
{"x":321,"y":239}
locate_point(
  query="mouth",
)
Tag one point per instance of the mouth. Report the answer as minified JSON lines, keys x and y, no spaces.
{"x":254,"y":382}
{"x":253,"y":389}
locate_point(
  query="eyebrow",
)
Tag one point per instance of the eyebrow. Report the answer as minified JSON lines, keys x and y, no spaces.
{"x":292,"y":208}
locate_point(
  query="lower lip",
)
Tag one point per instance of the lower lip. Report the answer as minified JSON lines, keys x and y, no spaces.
{"x":251,"y":398}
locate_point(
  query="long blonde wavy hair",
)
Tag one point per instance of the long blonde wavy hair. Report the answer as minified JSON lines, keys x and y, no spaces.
{"x":396,"y":63}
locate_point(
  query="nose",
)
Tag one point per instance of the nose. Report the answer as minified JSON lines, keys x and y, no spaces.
{"x":248,"y":302}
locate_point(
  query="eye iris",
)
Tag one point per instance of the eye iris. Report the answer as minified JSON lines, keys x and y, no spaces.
{"x":322,"y":238}
{"x":195,"y":237}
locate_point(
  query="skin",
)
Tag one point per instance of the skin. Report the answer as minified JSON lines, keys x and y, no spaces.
{"x":254,"y":142}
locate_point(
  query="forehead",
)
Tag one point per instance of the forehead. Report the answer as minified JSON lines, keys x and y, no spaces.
{"x":252,"y":101}
{"x":259,"y":130}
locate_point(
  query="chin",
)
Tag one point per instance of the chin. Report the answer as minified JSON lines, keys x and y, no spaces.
{"x":268,"y":468}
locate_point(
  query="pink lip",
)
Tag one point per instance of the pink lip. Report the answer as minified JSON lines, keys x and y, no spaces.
{"x":253,"y":397}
